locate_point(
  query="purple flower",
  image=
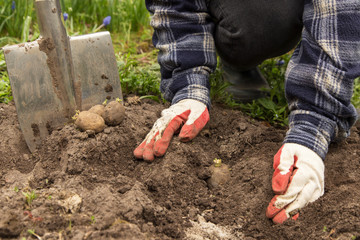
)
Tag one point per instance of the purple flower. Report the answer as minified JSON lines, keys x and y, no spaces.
{"x":66,"y":16}
{"x":13,"y":5}
{"x":281,"y":62}
{"x":107,"y":20}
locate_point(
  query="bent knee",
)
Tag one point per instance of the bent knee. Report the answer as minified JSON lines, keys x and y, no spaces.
{"x":248,"y":32}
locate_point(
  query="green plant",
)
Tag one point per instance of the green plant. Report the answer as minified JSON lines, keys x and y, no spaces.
{"x":273,"y":109}
{"x":356,"y":95}
{"x":16,"y":19}
{"x":5,"y":88}
{"x":29,"y":197}
{"x":32,"y":232}
{"x":152,"y":97}
{"x":126,"y":15}
{"x":92,"y":219}
{"x":8,"y":40}
{"x":139,"y":77}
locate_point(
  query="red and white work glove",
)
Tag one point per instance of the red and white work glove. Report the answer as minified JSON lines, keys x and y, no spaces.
{"x":298,"y":179}
{"x":194,"y":114}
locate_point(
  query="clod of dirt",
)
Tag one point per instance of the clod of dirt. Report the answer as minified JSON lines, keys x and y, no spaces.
{"x":71,"y":204}
{"x":220,"y":174}
{"x":90,"y":121}
{"x":98,"y":109}
{"x":114,"y":113}
{"x":10,"y":225}
{"x":133,"y":100}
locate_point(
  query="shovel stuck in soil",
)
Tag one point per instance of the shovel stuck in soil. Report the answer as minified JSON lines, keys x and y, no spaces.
{"x":56,"y":75}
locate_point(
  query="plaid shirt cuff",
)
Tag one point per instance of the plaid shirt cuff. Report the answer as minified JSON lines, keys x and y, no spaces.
{"x":196,"y":87}
{"x":311,"y":130}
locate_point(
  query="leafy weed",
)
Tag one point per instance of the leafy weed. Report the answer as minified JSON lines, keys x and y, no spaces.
{"x":29,"y":198}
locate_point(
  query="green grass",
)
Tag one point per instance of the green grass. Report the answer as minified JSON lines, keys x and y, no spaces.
{"x":5,"y":88}
{"x":16,"y":23}
{"x":19,"y":23}
{"x":125,"y":15}
{"x":356,"y":95}
{"x":138,"y":78}
{"x":139,"y":71}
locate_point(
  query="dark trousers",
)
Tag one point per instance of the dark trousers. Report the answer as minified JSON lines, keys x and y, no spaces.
{"x":249,"y":31}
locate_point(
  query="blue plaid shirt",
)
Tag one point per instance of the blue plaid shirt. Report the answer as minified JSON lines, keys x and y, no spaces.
{"x":319,"y":78}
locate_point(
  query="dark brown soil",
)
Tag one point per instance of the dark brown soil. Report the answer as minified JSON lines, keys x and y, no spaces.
{"x":91,"y":187}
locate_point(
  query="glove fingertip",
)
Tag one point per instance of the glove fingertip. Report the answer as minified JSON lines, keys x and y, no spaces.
{"x":272,"y":210}
{"x":281,"y":217}
{"x":148,"y":155}
{"x":187,"y":133}
{"x":160,"y":147}
{"x":138,"y":152}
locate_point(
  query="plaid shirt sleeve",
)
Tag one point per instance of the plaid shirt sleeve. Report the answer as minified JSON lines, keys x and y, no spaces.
{"x":183,"y":33}
{"x":321,"y":73}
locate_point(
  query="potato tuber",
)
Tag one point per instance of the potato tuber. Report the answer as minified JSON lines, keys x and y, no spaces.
{"x":220,"y":174}
{"x":114,"y":113}
{"x":98,"y":109}
{"x":90,"y":121}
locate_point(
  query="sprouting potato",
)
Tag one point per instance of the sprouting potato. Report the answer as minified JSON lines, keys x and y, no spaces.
{"x":114,"y":113}
{"x":220,"y":174}
{"x":98,"y":109}
{"x":90,"y":121}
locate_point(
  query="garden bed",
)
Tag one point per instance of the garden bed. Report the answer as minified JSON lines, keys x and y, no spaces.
{"x":85,"y":186}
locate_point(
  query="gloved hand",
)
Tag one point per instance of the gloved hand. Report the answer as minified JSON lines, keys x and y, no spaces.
{"x":298,"y":180}
{"x":193,"y":113}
